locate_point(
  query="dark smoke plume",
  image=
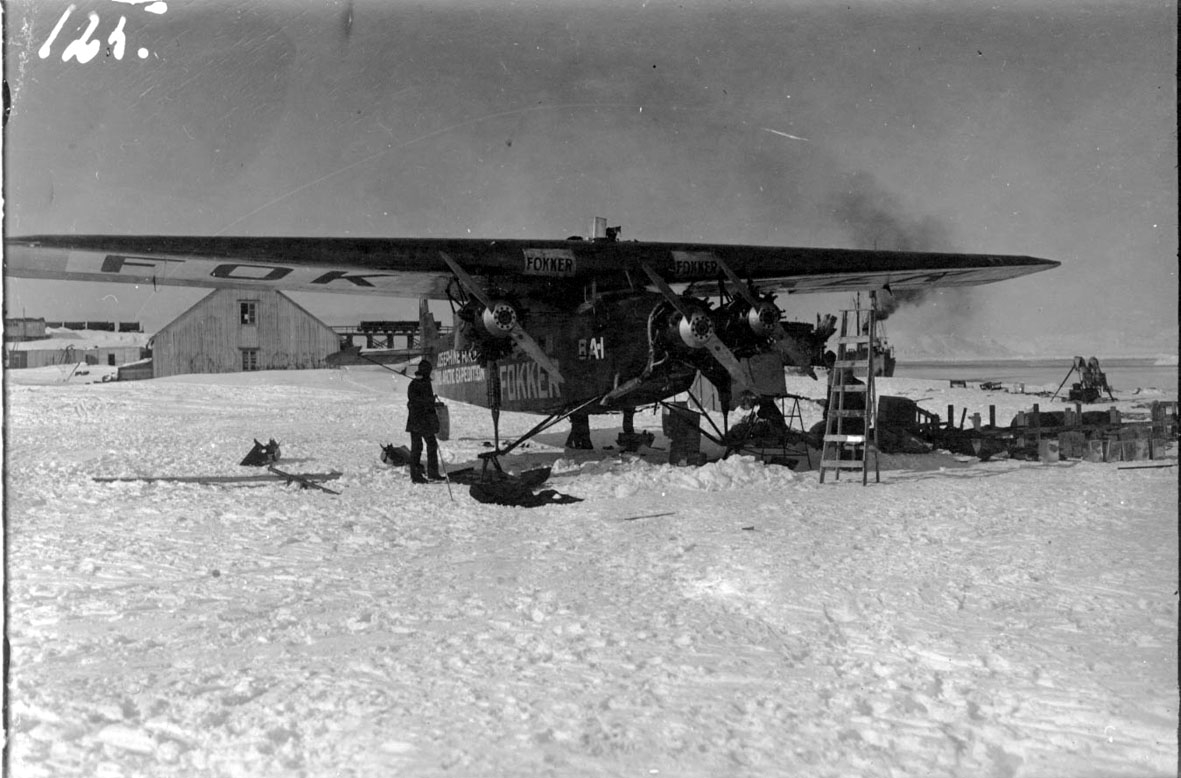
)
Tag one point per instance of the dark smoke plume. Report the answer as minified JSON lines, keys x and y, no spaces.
{"x":875,"y":220}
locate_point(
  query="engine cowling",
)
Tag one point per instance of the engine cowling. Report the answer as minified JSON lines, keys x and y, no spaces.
{"x":745,"y":326}
{"x":762,"y":318}
{"x":692,"y":331}
{"x":487,"y":330}
{"x":499,"y":319}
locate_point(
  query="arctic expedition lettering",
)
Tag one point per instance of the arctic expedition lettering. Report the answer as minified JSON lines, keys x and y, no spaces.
{"x":457,"y":367}
{"x":460,"y":374}
{"x":452,"y":357}
{"x":519,"y":380}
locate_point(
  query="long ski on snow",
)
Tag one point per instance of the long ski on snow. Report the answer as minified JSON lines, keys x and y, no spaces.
{"x":303,"y":481}
{"x":223,"y":479}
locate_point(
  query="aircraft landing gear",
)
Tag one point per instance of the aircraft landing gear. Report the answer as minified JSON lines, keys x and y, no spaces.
{"x":493,"y":457}
{"x":579,"y":436}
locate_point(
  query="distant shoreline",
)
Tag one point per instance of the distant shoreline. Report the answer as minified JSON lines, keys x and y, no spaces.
{"x":1124,"y":374}
{"x":1065,"y":362}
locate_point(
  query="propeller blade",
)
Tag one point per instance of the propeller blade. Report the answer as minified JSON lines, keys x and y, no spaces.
{"x":666,"y":290}
{"x":743,"y":288}
{"x":517,"y":333}
{"x":721,"y":352}
{"x":531,"y":347}
{"x":788,"y":349}
{"x":468,"y":282}
{"x":724,"y":355}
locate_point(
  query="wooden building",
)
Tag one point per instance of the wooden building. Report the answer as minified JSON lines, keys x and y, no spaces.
{"x":234,"y":330}
{"x":24,"y":329}
{"x":69,"y":348}
{"x":52,"y":352}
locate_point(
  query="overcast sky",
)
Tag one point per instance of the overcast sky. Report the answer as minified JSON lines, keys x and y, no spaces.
{"x":1037,"y":128}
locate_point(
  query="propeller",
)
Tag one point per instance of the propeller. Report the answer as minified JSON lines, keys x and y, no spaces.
{"x":501,"y":318}
{"x":701,"y":330}
{"x":763,"y":319}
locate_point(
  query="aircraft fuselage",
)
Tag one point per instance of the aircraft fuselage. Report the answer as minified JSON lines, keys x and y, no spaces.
{"x":596,"y":348}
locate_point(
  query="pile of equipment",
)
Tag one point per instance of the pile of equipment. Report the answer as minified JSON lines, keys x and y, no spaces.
{"x":1091,"y":384}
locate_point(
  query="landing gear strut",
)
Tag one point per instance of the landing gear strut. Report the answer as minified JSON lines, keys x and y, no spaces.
{"x":493,"y":456}
{"x":579,"y":436}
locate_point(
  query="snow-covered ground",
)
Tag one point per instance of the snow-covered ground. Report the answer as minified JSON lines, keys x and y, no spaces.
{"x":957,"y":619}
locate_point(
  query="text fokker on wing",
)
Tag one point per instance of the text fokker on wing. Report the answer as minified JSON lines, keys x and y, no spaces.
{"x":413,"y":267}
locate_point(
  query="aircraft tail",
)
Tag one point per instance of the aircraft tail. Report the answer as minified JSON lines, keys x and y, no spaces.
{"x":428,"y":332}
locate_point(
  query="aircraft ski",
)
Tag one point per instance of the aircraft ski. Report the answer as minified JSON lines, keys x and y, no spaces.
{"x":224,"y":480}
{"x":304,"y":481}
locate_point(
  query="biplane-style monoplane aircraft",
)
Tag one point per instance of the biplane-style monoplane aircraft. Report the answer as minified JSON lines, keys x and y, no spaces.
{"x":562,"y":328}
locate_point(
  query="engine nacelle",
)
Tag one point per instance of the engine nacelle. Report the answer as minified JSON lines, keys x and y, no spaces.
{"x":742,"y":325}
{"x":692,"y":331}
{"x":762,"y":318}
{"x":499,"y":320}
{"x":486,"y":331}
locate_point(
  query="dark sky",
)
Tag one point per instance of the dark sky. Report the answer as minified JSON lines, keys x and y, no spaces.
{"x":1039,"y":128}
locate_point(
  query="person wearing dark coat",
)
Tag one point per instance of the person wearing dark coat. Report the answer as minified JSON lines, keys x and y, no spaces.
{"x":422,"y":422}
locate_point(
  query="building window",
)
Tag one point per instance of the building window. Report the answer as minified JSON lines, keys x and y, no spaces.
{"x":250,"y":359}
{"x":249,"y":311}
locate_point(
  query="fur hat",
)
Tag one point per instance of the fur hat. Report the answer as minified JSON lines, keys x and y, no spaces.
{"x":424,"y":368}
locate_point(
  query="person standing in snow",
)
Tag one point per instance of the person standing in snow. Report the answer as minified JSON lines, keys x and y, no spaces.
{"x":422,"y":422}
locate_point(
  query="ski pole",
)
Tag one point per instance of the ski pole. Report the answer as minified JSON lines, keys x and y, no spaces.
{"x":446,"y":477}
{"x":383,"y":365}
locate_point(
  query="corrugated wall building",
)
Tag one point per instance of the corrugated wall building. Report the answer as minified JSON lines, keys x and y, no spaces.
{"x":234,"y":330}
{"x":58,"y":346}
{"x":33,"y":354}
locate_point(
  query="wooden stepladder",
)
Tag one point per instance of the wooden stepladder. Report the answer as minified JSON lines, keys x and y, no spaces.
{"x":850,"y":430}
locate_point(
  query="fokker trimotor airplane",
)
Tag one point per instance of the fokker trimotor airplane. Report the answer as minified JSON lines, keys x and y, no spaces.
{"x":563,"y":328}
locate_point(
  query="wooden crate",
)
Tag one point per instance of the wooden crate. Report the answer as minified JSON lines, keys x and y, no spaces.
{"x":1072,"y":445}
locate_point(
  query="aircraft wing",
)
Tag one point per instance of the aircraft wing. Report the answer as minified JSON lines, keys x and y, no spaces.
{"x":414,"y":267}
